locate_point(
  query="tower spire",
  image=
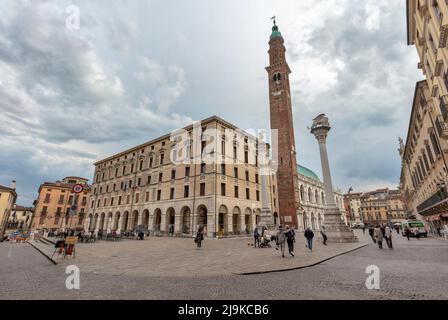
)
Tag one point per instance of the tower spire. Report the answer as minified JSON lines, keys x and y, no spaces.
{"x":275,"y":33}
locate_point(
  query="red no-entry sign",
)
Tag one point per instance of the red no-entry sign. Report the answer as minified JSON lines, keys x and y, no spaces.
{"x":78,"y":188}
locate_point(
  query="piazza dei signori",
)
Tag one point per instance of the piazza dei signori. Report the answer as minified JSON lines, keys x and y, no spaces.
{"x":209,"y":175}
{"x":223,"y":156}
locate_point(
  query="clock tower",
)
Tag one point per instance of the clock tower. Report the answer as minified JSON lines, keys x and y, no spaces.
{"x":282,"y":121}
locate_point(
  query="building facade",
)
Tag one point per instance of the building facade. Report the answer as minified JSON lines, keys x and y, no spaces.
{"x":424,"y":155}
{"x":311,"y":194}
{"x":52,"y":207}
{"x":21,"y":218}
{"x":352,"y":204}
{"x":204,"y":175}
{"x":8,"y":197}
{"x":381,"y":206}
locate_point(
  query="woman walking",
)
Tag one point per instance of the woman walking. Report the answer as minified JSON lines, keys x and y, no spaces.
{"x":378,"y":236}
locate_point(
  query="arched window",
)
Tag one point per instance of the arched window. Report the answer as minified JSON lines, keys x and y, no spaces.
{"x":302,"y":194}
{"x":277,"y":77}
{"x":316,"y":197}
{"x":310,"y":195}
{"x":322,"y":197}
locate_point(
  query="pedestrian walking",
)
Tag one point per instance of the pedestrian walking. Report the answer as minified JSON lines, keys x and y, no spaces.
{"x":256,"y":238}
{"x":309,"y":235}
{"x":363,"y":229}
{"x":407,"y":232}
{"x":378,"y":236}
{"x":199,"y":237}
{"x":290,"y":239}
{"x":324,"y":235}
{"x":438,"y":232}
{"x":371,"y":233}
{"x":280,"y":240}
{"x":388,"y":236}
{"x":397,"y":228}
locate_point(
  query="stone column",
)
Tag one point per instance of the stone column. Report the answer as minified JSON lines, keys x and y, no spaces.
{"x":163,"y":223}
{"x":243,"y":222}
{"x":177,"y":223}
{"x":229,"y":218}
{"x":120,"y":224}
{"x":140,"y":218}
{"x":335,"y":229}
{"x":210,"y":224}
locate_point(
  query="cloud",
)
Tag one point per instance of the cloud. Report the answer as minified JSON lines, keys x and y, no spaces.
{"x":136,"y":70}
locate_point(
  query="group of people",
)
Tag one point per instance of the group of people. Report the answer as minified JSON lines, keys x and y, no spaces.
{"x":288,"y":236}
{"x":379,"y":233}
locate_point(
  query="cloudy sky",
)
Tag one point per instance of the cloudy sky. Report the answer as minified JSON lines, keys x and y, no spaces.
{"x":137,"y":69}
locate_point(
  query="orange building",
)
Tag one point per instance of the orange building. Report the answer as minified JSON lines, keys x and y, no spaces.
{"x":52,"y":208}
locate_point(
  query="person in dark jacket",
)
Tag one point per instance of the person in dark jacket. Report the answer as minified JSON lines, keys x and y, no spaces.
{"x":407,"y":232}
{"x":371,"y":233}
{"x":290,"y":239}
{"x":256,"y":238}
{"x":199,"y":237}
{"x":309,"y":235}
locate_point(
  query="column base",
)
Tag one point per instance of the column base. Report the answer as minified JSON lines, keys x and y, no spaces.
{"x":266,"y":220}
{"x":336,"y":230}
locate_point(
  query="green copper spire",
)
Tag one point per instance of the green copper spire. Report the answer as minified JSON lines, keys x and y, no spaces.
{"x":275,"y":33}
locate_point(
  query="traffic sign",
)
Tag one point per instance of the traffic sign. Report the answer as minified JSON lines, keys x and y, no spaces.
{"x":78,"y":188}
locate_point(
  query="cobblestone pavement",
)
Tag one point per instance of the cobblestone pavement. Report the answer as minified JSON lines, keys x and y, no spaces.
{"x":417,"y":269}
{"x":178,"y":257}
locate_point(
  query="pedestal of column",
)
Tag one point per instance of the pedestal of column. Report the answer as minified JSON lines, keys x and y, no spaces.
{"x":335,"y":229}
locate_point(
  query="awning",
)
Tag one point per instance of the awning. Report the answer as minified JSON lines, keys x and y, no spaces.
{"x":433,"y":218}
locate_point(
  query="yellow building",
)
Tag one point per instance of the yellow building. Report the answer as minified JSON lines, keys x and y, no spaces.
{"x":424,"y":175}
{"x":382,"y":206}
{"x":8,"y":197}
{"x":21,"y":218}
{"x":52,"y":208}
